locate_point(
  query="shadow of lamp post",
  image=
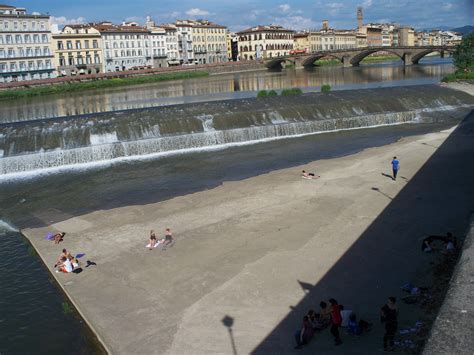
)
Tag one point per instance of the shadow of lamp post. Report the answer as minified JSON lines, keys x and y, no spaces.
{"x":228,"y":322}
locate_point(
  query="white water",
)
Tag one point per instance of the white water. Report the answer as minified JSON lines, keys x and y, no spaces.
{"x":32,"y":159}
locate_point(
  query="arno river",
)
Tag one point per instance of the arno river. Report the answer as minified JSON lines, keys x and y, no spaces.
{"x":225,"y":86}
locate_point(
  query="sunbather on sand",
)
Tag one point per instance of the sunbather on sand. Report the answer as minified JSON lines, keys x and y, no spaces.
{"x":168,"y":237}
{"x":306,"y":175}
{"x":152,"y":239}
{"x":58,"y":237}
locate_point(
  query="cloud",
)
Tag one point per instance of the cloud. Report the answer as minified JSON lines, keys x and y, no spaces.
{"x":447,"y":6}
{"x":284,"y":8}
{"x":367,"y":3}
{"x":62,"y":20}
{"x":196,"y":12}
{"x":295,"y":22}
{"x":334,"y":8}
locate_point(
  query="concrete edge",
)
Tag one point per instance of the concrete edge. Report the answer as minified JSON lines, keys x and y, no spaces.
{"x":66,"y":294}
{"x":450,"y":332}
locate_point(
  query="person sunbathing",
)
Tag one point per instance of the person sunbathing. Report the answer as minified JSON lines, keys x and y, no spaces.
{"x":168,"y":237}
{"x":65,"y":265}
{"x":307,"y":175}
{"x":64,"y":253}
{"x":152,"y":239}
{"x":58,"y":237}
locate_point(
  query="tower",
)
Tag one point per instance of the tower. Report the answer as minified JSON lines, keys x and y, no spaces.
{"x":359,"y":17}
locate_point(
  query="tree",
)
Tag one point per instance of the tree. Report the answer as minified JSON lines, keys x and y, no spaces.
{"x":464,"y":54}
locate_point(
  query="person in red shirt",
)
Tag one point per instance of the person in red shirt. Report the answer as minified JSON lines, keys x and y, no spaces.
{"x":336,"y":320}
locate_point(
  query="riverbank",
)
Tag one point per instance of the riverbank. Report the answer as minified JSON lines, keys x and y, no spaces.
{"x":19,"y":89}
{"x":262,"y":250}
{"x":96,"y":84}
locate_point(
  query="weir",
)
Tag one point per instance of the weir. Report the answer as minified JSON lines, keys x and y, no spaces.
{"x":33,"y":145}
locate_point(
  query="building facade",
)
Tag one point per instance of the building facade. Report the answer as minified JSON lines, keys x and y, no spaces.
{"x":78,"y":50}
{"x":267,"y":41}
{"x":25,"y":45}
{"x":171,"y":39}
{"x":301,"y":42}
{"x":406,"y":36}
{"x":209,"y":42}
{"x":157,"y":44}
{"x":185,"y":41}
{"x":126,"y":46}
{"x":328,"y":38}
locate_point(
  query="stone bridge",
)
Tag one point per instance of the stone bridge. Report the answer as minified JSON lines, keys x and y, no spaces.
{"x":353,"y":56}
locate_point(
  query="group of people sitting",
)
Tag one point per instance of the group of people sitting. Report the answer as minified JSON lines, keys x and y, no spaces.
{"x":166,"y":241}
{"x":66,"y":262}
{"x":449,"y":241}
{"x":333,"y":316}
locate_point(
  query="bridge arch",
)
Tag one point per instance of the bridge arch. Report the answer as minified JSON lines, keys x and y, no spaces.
{"x":359,"y":57}
{"x":309,"y":61}
{"x":276,"y":62}
{"x":417,"y":57}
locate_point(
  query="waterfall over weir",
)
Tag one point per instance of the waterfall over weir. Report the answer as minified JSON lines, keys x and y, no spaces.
{"x":33,"y":145}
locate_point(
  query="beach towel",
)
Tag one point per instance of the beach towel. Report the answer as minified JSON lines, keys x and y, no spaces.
{"x":49,"y":236}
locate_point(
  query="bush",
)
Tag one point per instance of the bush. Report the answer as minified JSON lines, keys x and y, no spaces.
{"x":262,"y":93}
{"x":272,"y":93}
{"x":325,"y":88}
{"x":293,"y":91}
{"x":464,"y":54}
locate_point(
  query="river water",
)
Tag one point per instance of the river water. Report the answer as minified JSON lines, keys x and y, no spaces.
{"x":33,"y":318}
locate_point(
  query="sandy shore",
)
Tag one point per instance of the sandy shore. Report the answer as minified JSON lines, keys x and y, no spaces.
{"x":261,"y":251}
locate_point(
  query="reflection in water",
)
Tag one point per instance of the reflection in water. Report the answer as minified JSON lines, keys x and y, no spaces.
{"x":219,"y":87}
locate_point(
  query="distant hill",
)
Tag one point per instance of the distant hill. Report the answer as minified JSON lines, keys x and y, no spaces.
{"x":465,"y":30}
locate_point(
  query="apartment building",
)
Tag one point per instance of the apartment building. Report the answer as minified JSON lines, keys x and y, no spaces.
{"x":171,"y":39}
{"x":301,"y":42}
{"x":78,"y":50}
{"x":328,"y":38}
{"x":266,"y":41}
{"x":157,"y":44}
{"x":25,"y":45}
{"x":126,"y":46}
{"x":406,"y":36}
{"x":185,"y":41}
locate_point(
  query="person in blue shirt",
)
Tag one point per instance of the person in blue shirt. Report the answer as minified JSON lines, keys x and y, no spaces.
{"x":395,"y":167}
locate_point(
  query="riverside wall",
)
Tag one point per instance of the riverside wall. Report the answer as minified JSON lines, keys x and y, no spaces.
{"x":454,"y":326}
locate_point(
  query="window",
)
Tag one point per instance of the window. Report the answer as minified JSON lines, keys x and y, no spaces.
{"x":36,"y":38}
{"x":45,"y":50}
{"x":95,"y":44}
{"x":31,"y":65}
{"x":69,"y":45}
{"x":3,"y":67}
{"x":2,"y":53}
{"x":27,"y":39}
{"x":18,"y":39}
{"x":44,"y":38}
{"x":37,"y":51}
{"x":9,"y":39}
{"x":60,"y":45}
{"x":71,"y":60}
{"x":11,"y":53}
{"x":78,"y":44}
{"x":22,"y":66}
{"x":62,"y":61}
{"x":96,"y":59}
{"x":86,"y":44}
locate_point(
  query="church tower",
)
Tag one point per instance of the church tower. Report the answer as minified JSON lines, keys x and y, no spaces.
{"x":359,"y":17}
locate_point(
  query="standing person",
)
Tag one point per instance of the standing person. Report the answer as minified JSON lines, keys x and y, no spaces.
{"x":336,"y":320}
{"x":304,"y":335}
{"x":389,"y":316}
{"x":395,"y":167}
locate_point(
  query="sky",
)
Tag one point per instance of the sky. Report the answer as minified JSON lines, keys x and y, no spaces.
{"x":241,"y":14}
